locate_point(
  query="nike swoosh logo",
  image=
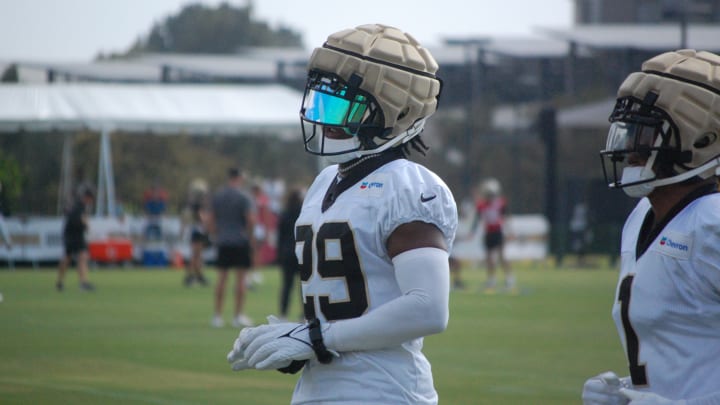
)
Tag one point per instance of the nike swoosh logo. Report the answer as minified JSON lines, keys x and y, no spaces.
{"x":426,"y":199}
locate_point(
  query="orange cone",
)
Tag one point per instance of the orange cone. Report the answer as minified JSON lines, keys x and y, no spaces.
{"x":177,"y":262}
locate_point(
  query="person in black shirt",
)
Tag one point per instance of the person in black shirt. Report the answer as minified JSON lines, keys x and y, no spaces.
{"x":286,"y":246}
{"x":74,"y":240}
{"x":193,"y":221}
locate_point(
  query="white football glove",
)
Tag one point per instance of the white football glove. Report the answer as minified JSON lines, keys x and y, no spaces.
{"x":604,"y":389}
{"x":276,"y":346}
{"x":236,"y":356}
{"x":648,"y":398}
{"x":272,"y":346}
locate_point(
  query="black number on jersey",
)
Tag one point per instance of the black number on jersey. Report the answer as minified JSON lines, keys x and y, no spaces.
{"x":637,"y":371}
{"x":346,"y":266}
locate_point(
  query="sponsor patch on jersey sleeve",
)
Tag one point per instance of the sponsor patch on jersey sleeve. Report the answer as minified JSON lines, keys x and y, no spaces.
{"x":373,"y":185}
{"x":673,"y":244}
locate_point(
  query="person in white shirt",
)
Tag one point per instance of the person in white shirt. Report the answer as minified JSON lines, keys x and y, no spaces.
{"x":664,"y":147}
{"x":374,"y":232}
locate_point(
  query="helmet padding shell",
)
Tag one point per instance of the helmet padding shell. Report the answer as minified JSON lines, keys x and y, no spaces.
{"x":395,"y":70}
{"x":687,"y":83}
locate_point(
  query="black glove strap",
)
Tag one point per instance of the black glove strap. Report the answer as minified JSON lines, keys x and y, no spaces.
{"x":323,"y":354}
{"x":293,"y":367}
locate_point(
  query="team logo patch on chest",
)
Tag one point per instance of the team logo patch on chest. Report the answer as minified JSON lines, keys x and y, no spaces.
{"x":372,"y":186}
{"x":674,"y":244}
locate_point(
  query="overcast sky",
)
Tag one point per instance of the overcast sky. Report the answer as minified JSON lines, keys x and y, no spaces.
{"x":77,"y":30}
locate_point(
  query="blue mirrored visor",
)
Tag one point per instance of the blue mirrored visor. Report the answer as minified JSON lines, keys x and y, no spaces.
{"x":327,"y":108}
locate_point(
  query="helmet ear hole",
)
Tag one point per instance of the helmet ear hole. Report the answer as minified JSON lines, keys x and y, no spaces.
{"x":705,"y":140}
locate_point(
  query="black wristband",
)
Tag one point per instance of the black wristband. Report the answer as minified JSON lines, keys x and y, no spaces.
{"x":323,"y":354}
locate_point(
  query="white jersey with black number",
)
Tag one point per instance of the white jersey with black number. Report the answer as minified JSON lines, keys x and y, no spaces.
{"x":346,"y":272}
{"x":667,"y":304}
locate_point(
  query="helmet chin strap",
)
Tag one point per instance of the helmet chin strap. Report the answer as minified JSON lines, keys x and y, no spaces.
{"x":415,"y":129}
{"x":694,"y":172}
{"x":643,"y":189}
{"x":345,"y":150}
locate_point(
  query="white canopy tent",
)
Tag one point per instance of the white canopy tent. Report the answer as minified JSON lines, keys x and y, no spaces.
{"x":157,"y":108}
{"x":232,"y":110}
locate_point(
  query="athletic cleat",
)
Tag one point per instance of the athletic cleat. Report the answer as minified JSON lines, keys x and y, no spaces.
{"x":242,"y":321}
{"x":217,"y":322}
{"x":511,"y":286}
{"x":87,"y":286}
{"x":489,"y":288}
{"x":254,"y":280}
{"x":59,"y":286}
{"x":188,"y":280}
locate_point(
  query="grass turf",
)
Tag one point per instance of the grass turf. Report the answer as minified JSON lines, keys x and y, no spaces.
{"x":143,"y":338}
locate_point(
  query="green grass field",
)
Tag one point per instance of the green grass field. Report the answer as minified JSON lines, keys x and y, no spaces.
{"x":142,"y":338}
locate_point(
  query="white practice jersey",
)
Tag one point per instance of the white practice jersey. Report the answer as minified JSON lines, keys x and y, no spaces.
{"x":667,"y":304}
{"x":346,"y":272}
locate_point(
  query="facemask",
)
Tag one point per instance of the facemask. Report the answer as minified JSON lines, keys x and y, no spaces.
{"x":632,"y":174}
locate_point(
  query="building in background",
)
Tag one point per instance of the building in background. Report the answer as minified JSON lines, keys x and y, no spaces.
{"x":646,"y":11}
{"x":494,"y":90}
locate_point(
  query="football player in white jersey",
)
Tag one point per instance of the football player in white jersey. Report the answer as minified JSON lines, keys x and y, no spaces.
{"x":664,"y":147}
{"x":373,"y":236}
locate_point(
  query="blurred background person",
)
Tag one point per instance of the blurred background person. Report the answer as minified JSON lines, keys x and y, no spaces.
{"x":154,"y":203}
{"x":264,"y":221}
{"x":264,"y":232}
{"x":5,"y":238}
{"x":286,"y":246}
{"x":76,"y":248}
{"x":466,"y":212}
{"x":231,"y":224}
{"x":194,"y":217}
{"x":580,"y":232}
{"x":491,"y":207}
{"x":456,"y":272}
{"x":4,"y":234}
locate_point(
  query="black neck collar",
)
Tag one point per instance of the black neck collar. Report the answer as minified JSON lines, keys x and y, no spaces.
{"x":356,"y":174}
{"x":648,"y":233}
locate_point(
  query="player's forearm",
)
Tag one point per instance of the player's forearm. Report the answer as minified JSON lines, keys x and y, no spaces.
{"x":423,"y":277}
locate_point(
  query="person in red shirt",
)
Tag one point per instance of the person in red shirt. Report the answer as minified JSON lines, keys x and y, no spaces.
{"x":491,"y":208}
{"x":265,"y":225}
